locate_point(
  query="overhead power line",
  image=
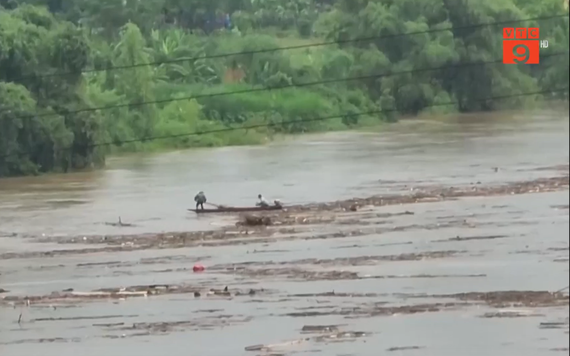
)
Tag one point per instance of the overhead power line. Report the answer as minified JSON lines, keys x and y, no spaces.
{"x":256,"y":126}
{"x":310,"y":45}
{"x":255,"y":90}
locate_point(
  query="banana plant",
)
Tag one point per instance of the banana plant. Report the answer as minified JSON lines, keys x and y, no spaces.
{"x":180,"y":56}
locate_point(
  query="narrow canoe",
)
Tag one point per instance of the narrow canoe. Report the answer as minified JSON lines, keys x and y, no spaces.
{"x":235,"y":209}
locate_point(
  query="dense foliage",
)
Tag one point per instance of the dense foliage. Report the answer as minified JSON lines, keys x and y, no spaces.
{"x":39,"y":116}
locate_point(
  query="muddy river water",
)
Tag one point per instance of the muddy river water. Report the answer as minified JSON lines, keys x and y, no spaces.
{"x":458,"y":246}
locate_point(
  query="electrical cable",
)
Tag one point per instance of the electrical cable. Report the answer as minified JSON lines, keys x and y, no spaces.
{"x":254,"y":90}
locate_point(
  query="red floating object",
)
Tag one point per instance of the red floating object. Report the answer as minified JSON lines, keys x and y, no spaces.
{"x":198,"y":268}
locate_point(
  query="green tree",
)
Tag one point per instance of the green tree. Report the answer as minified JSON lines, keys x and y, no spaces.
{"x":32,"y":44}
{"x":136,"y":84}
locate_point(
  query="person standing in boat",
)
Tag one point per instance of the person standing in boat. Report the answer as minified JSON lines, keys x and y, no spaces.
{"x":200,"y":199}
{"x":262,"y":202}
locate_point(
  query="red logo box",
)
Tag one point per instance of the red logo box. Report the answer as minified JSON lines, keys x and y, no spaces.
{"x":521,"y":45}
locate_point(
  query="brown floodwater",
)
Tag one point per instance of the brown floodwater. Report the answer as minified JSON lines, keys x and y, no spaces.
{"x":402,"y":279}
{"x":153,"y":191}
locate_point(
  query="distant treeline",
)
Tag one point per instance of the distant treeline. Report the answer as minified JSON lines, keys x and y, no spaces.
{"x":44,"y":127}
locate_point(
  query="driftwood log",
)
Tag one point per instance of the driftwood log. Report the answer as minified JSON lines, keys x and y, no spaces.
{"x":253,"y":220}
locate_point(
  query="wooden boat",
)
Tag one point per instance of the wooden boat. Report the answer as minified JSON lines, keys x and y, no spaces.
{"x":228,"y":209}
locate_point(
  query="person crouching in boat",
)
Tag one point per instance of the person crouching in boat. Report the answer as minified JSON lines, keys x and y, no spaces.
{"x":200,"y":199}
{"x":262,"y":202}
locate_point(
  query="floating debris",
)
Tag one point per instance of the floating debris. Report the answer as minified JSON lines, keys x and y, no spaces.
{"x":471,"y":238}
{"x":320,"y":328}
{"x":377,"y":309}
{"x":122,"y":293}
{"x":254,"y":220}
{"x":404,"y":348}
{"x":511,"y":314}
{"x":332,"y":336}
{"x":511,"y":298}
{"x":119,"y":224}
{"x":42,"y":341}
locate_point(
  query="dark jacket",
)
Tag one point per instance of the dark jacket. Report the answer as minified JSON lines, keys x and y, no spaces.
{"x":200,"y":198}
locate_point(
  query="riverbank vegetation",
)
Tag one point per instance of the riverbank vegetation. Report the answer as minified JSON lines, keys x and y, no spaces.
{"x":50,"y":122}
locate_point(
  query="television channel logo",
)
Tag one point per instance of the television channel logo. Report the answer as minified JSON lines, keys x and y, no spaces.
{"x":522,"y":45}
